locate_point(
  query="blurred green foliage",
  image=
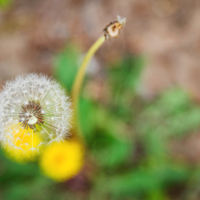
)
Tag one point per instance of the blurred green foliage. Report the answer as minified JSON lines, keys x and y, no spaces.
{"x":128,"y":142}
{"x":66,"y":66}
{"x":5,"y":3}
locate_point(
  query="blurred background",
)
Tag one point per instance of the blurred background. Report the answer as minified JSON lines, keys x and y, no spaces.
{"x":139,"y":107}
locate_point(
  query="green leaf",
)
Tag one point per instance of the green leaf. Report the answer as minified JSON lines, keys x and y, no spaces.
{"x":87,"y":116}
{"x":136,"y":183}
{"x":172,"y":114}
{"x":126,"y":74}
{"x":111,"y":153}
{"x":143,"y":182}
{"x":5,"y":3}
{"x":66,"y":65}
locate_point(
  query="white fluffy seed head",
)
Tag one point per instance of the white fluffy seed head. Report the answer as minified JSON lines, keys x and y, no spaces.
{"x":37,"y":103}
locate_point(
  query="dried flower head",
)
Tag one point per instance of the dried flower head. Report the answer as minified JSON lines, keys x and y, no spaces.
{"x":33,"y":105}
{"x":112,"y":29}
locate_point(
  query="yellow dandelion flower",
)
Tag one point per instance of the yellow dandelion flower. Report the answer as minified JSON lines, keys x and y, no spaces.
{"x":22,"y":144}
{"x":62,"y":161}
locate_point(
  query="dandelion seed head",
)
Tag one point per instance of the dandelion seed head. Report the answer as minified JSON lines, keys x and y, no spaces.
{"x":30,"y":102}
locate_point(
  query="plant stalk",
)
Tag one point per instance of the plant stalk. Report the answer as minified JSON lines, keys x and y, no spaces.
{"x":79,"y":80}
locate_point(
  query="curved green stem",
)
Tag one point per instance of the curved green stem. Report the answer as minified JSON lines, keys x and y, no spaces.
{"x":79,"y":80}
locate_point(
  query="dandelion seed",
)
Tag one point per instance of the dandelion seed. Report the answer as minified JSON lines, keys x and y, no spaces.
{"x":62,"y":161}
{"x":28,"y":105}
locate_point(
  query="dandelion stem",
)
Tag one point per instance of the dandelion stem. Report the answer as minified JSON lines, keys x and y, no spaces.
{"x":111,"y":30}
{"x":79,"y":80}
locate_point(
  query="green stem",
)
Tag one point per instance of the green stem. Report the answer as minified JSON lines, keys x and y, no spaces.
{"x":79,"y":80}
